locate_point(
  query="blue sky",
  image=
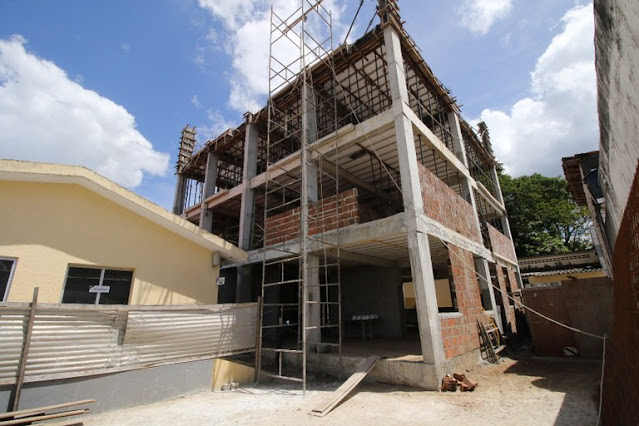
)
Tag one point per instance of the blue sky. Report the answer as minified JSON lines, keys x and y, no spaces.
{"x":110,"y":84}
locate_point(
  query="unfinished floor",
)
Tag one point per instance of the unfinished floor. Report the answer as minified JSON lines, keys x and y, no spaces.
{"x":528,"y":391}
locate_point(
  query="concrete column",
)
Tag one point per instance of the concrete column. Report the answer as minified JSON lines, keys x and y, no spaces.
{"x":208,"y":189}
{"x":418,"y":247}
{"x":247,"y":209}
{"x":313,"y":311}
{"x":430,"y":333}
{"x":458,"y":145}
{"x":483,"y":274}
{"x":458,"y":139}
{"x":178,"y":199}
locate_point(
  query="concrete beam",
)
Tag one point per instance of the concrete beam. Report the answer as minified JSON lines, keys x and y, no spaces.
{"x":435,"y":143}
{"x":343,"y":138}
{"x":351,"y":256}
{"x":436,"y":229}
{"x":348,"y":238}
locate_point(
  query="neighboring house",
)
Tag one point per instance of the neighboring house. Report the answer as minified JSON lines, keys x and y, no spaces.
{"x":68,"y":230}
{"x":571,"y":288}
{"x":608,"y":182}
{"x":551,"y":270}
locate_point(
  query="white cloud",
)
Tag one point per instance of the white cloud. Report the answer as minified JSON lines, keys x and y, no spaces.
{"x":560,"y":118}
{"x":215,"y":126}
{"x":247,"y":42}
{"x":479,"y":15}
{"x":126,"y":47}
{"x":45,"y":116}
{"x":196,"y":102}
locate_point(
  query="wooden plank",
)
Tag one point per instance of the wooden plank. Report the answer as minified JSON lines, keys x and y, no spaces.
{"x":37,"y":410}
{"x":25,"y":350}
{"x":340,"y":393}
{"x":29,"y":420}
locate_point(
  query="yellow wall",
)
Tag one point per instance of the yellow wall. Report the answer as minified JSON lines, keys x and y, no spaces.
{"x":442,"y":291}
{"x":225,"y":371}
{"x":48,"y":226}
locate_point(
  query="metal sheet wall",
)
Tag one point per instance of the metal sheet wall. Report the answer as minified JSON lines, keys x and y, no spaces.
{"x":80,"y":340}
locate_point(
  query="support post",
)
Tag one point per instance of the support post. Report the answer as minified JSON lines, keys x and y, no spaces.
{"x":25,"y":351}
{"x":208,"y":189}
{"x":247,"y":209}
{"x":311,"y":193}
{"x":419,"y":248}
{"x":178,"y":199}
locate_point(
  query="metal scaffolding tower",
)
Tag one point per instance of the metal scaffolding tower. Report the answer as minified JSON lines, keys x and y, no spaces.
{"x":301,"y":291}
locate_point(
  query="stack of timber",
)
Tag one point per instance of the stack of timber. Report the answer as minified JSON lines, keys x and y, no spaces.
{"x":40,"y":414}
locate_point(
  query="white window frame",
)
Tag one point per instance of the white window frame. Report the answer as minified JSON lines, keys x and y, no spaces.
{"x":102,"y":270}
{"x":5,"y":296}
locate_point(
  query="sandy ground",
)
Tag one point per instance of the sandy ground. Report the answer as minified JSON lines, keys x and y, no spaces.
{"x":526,"y":392}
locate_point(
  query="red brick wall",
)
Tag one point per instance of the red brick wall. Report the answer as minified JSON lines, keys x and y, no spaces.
{"x":514,"y":286}
{"x":286,"y":226}
{"x":460,"y":334}
{"x":441,"y":203}
{"x":509,"y":310}
{"x":501,"y":244}
{"x":621,"y":392}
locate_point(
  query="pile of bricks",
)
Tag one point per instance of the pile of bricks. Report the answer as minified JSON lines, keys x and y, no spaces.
{"x":326,"y":215}
{"x":443,"y":204}
{"x":450,"y":383}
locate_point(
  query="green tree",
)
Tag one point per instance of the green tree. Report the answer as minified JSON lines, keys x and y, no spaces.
{"x":544,"y":219}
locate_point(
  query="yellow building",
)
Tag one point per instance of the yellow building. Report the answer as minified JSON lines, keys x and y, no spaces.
{"x":551,"y":270}
{"x":82,"y":238}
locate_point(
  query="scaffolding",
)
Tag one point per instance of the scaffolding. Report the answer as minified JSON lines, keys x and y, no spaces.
{"x":301,"y":291}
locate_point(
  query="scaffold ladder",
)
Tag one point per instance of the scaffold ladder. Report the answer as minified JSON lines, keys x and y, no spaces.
{"x":301,"y":286}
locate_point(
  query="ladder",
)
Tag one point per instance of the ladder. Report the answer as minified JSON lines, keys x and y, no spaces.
{"x":490,"y":341}
{"x":300,"y":314}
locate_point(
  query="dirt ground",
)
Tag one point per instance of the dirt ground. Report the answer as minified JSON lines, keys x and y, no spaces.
{"x":530,"y":391}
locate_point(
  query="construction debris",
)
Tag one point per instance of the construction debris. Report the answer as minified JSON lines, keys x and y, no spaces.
{"x":28,"y":416}
{"x":450,"y":383}
{"x":464,"y":383}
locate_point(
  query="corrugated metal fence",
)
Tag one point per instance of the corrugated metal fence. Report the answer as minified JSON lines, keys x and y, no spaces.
{"x":83,"y":340}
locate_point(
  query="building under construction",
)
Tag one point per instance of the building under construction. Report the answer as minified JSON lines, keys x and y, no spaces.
{"x":371,"y":210}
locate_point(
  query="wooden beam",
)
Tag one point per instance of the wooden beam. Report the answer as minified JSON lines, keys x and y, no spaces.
{"x":38,"y":410}
{"x":25,"y":350}
{"x":347,"y":387}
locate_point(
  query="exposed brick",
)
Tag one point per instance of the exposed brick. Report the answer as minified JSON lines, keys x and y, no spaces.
{"x":460,"y":334}
{"x":285,"y":226}
{"x":501,"y":244}
{"x":443,"y":204}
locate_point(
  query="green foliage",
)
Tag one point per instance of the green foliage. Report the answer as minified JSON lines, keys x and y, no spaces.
{"x":544,"y":219}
